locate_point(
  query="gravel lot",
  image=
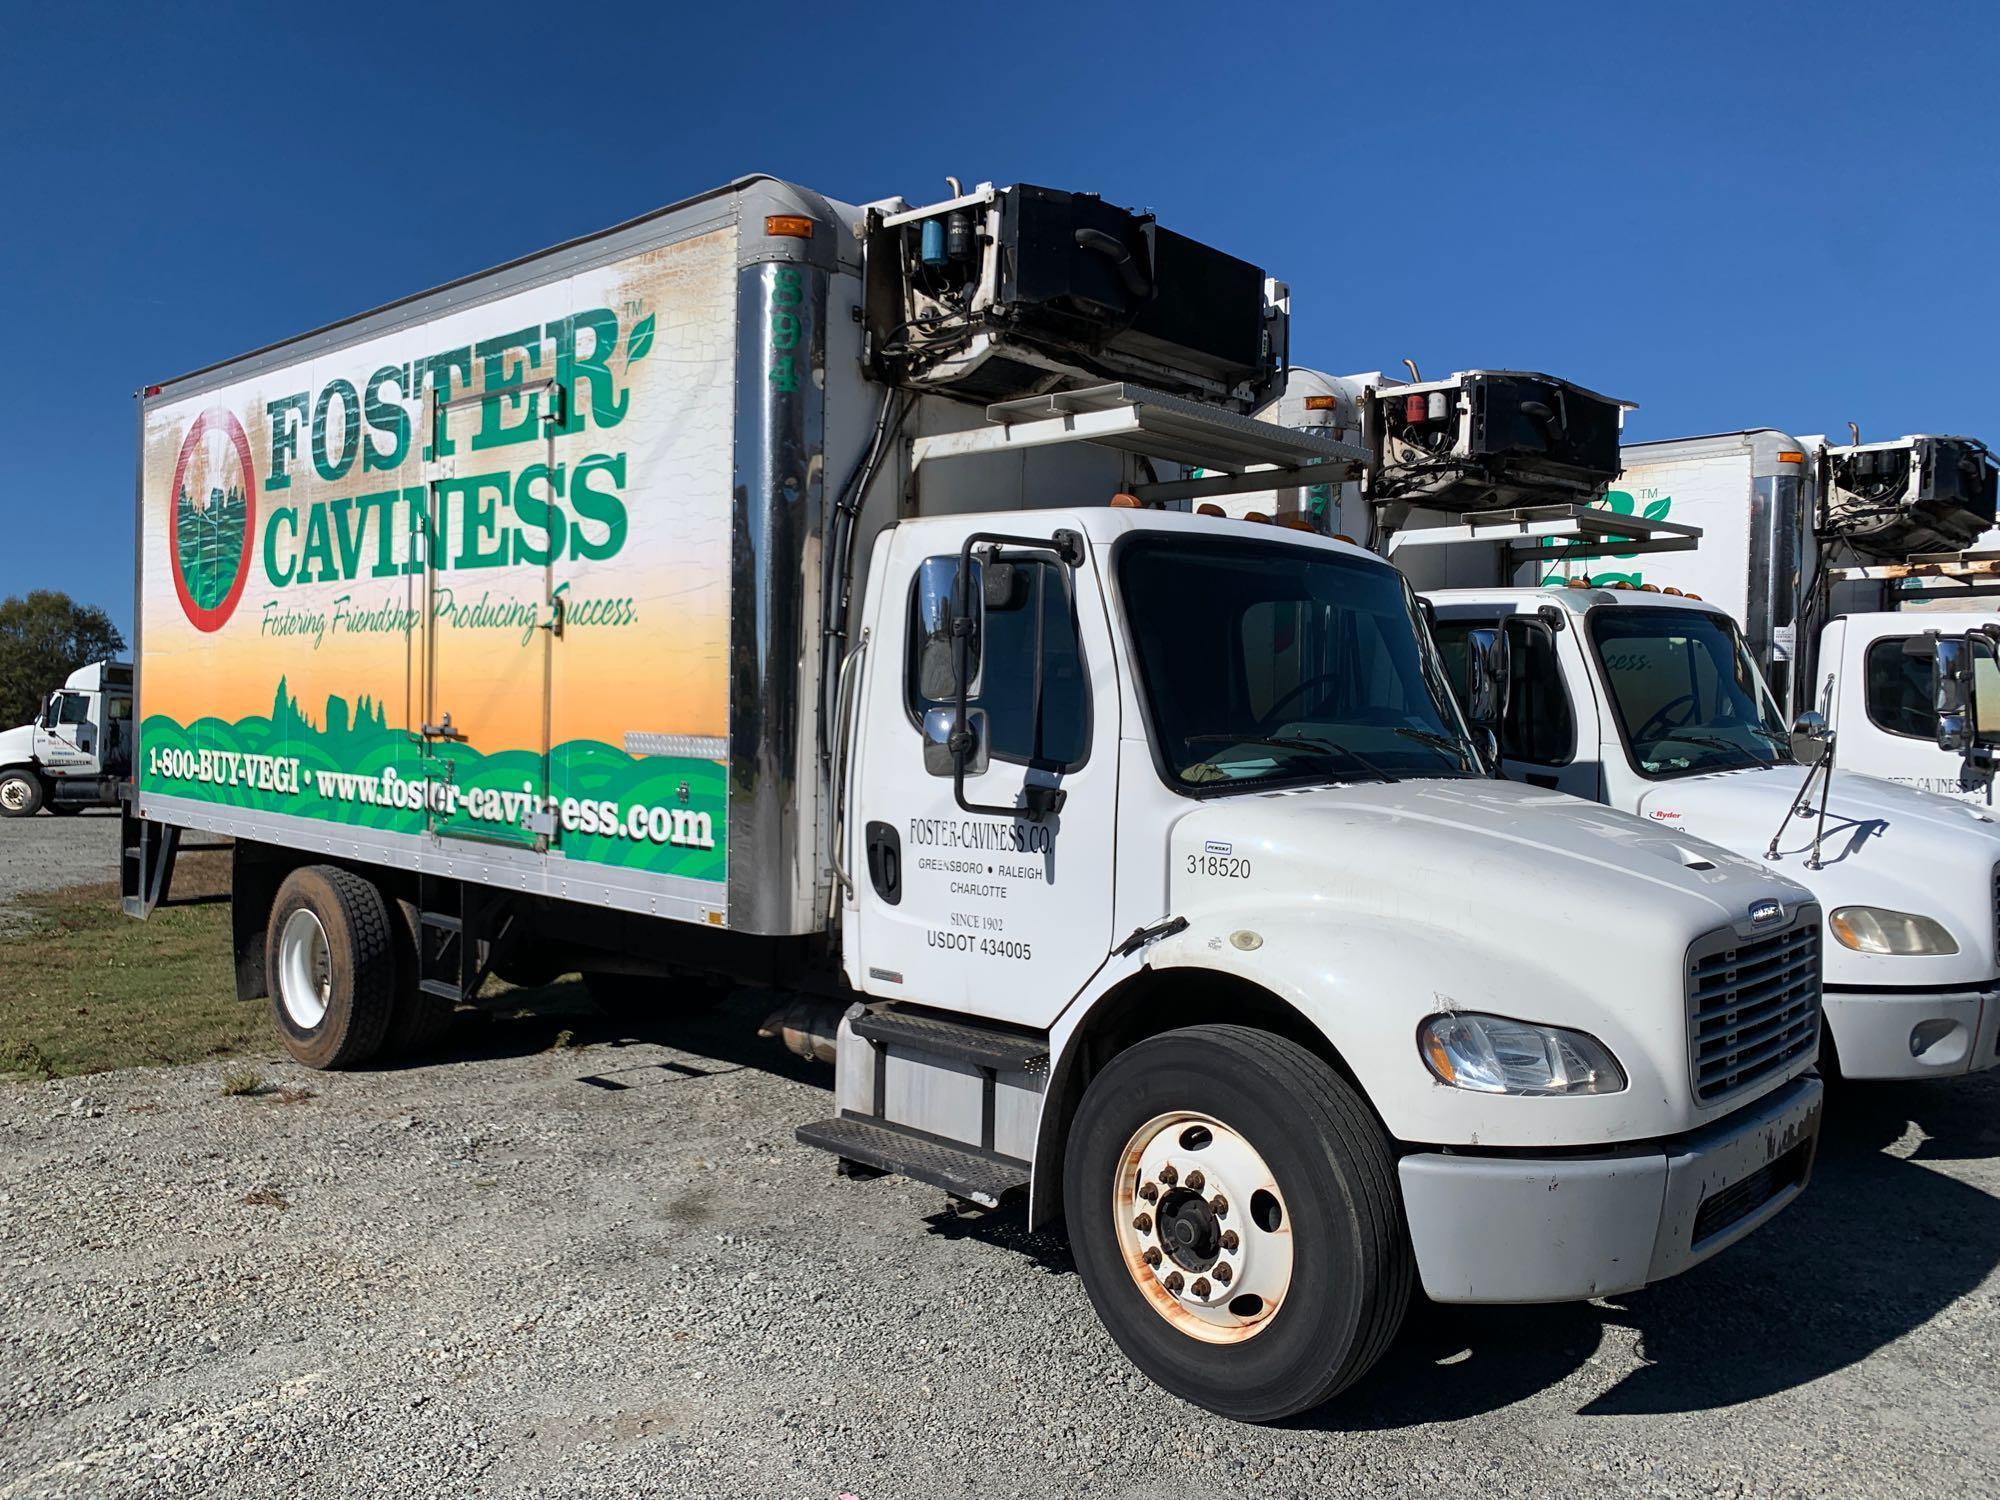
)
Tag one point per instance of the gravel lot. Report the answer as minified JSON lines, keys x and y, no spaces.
{"x":607,"y":1270}
{"x":45,"y":853}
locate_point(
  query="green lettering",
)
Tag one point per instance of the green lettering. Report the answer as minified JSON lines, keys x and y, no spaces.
{"x":350,"y":429}
{"x":439,"y":373}
{"x":285,"y":516}
{"x":500,"y":381}
{"x":383,"y":507}
{"x":602,"y":506}
{"x":318,"y":549}
{"x":386,"y":418}
{"x":607,"y":401}
{"x":540,"y":512}
{"x":478,"y":518}
{"x":285,"y":416}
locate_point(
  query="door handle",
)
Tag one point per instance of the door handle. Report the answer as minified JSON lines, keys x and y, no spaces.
{"x":885,"y":862}
{"x":443,"y":731}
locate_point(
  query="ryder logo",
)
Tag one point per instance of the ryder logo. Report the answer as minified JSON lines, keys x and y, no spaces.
{"x":213,"y":519}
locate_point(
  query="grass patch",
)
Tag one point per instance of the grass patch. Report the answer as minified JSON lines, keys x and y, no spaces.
{"x":84,"y":988}
{"x":242,"y":1081}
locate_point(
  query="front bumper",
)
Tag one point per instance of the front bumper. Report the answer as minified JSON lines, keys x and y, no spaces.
{"x":1914,"y":1033}
{"x":1521,"y":1229}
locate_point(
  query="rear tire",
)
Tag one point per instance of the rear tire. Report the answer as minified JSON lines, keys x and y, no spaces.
{"x":1310,"y":1219}
{"x":20,"y":794}
{"x":330,"y":966}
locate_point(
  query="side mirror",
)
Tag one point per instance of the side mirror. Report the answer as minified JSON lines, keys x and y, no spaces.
{"x":50,"y":710}
{"x":942,"y":627}
{"x":1951,"y":664}
{"x":1489,"y":748}
{"x":1810,"y":738}
{"x":1487,"y":670}
{"x":942,"y":741}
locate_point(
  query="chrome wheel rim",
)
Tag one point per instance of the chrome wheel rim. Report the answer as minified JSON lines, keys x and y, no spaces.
{"x":305,"y":969}
{"x":14,"y":793}
{"x":1202,"y":1227}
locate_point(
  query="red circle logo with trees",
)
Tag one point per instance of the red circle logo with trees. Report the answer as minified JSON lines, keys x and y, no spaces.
{"x":213,"y":519}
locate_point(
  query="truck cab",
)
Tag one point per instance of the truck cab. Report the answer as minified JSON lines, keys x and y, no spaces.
{"x":76,"y":751}
{"x":1653,"y":703}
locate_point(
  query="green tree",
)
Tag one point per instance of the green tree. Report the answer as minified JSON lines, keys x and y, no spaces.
{"x":44,"y":636}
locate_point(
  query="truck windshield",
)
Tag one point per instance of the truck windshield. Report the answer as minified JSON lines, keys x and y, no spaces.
{"x":1687,"y":694}
{"x":1268,"y":663}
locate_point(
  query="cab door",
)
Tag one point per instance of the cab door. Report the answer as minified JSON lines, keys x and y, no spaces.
{"x":1548,"y":736}
{"x":65,"y":737}
{"x":492,"y":617}
{"x":963,"y":898}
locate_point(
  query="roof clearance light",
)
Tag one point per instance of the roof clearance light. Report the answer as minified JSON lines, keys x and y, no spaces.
{"x":1210,"y":508}
{"x":1260,"y":517}
{"x":1415,"y":408}
{"x":1341,"y":536}
{"x":1695,"y":597}
{"x":1649,"y":588}
{"x":1123,"y":501}
{"x":1438,"y":405}
{"x":1791,"y":456}
{"x":1322,"y":403}
{"x":1670,"y":589}
{"x":788,"y":227}
{"x":1577,"y":583}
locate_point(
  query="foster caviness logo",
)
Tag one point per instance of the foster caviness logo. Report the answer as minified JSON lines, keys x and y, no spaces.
{"x":212,"y":518}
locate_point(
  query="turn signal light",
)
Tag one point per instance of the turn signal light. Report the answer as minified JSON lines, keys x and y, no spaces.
{"x":1791,"y":457}
{"x":788,"y":226}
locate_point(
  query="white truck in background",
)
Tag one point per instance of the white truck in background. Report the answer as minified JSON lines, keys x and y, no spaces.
{"x":78,"y":750}
{"x":1655,"y":704}
{"x":1857,"y":573}
{"x":788,"y":590}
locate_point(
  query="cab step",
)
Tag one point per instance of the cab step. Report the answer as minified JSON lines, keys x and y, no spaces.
{"x":980,"y":1046}
{"x":963,"y":1171}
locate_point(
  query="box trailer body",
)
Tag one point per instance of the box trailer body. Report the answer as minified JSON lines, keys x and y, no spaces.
{"x":78,"y":751}
{"x":791,"y":590}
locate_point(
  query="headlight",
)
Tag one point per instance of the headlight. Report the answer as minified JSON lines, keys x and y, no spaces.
{"x":1493,"y":1055}
{"x":1872,"y":929}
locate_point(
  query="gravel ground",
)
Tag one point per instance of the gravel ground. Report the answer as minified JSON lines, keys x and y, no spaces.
{"x":45,"y":853}
{"x":608,"y":1270}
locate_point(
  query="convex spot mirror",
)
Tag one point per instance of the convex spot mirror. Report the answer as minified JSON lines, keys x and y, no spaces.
{"x":938,"y":599}
{"x":1810,"y":738}
{"x":1486,"y":672}
{"x":942,"y":741}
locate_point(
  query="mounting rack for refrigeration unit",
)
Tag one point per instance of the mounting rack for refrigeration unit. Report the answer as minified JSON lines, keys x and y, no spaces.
{"x":1937,"y":575}
{"x":1249,"y":454}
{"x":1555,"y":533}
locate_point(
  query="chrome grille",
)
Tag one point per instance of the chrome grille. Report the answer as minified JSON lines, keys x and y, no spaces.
{"x":1753,"y":1005}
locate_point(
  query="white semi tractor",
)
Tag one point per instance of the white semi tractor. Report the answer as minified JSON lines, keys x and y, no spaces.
{"x":1857,"y":572}
{"x":1652,"y":701}
{"x":790,"y":590}
{"x":78,"y":750}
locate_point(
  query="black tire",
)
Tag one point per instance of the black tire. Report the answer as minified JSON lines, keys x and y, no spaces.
{"x":1353,"y":1271}
{"x":359,"y":975}
{"x":420,"y":1021}
{"x":21,"y":794}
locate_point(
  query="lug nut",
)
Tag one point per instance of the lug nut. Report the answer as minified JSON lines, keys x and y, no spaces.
{"x":1229,"y":1239}
{"x":1153,"y":1256}
{"x":1219,"y":1206}
{"x":1148,"y":1191}
{"x":1168,"y":1175}
{"x":1222,"y":1273}
{"x":1144,"y":1223}
{"x":1200,"y":1287}
{"x":1195,"y":1180}
{"x":1174,"y":1282}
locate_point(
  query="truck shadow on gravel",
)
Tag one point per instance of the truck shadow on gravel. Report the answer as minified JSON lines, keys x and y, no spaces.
{"x":1879,"y":1244}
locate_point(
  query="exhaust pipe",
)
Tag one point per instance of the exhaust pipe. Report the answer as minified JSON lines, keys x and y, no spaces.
{"x":809,"y":1028}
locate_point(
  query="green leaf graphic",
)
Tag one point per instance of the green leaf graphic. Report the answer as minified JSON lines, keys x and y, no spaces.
{"x":1656,"y":510}
{"x":641,"y":340}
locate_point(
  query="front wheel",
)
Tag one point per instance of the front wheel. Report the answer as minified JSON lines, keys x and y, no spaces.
{"x":20,"y":794}
{"x":1233,"y":1209}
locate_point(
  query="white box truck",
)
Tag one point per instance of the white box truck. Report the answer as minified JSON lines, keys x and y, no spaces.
{"x":790,"y":590}
{"x":78,"y":751}
{"x":1855,"y":570}
{"x":1653,"y":702}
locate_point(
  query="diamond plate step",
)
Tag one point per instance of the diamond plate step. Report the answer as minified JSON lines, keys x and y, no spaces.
{"x":960,"y":1170}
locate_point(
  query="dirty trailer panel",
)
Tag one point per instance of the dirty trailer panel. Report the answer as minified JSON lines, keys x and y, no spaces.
{"x":451,"y":588}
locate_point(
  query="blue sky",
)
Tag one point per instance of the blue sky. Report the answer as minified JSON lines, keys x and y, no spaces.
{"x":1734,"y":215}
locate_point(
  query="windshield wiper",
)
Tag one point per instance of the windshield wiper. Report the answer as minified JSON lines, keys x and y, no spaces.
{"x":1291,"y":742}
{"x":1717,"y":742}
{"x":1441,"y":742}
